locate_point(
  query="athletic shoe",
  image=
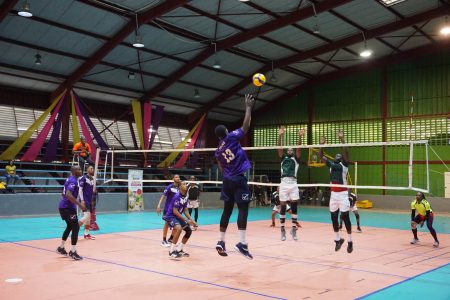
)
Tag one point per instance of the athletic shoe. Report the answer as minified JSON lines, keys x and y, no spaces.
{"x":414,"y":241}
{"x":294,"y":233}
{"x":175,"y":254}
{"x":75,"y":255}
{"x":62,"y":251}
{"x":220,"y":247}
{"x":283,"y":233}
{"x":436,"y":244}
{"x":89,"y":237}
{"x":184,"y":254}
{"x":165,"y":244}
{"x":359,"y":229}
{"x":194,"y":228}
{"x":350,"y":247}
{"x":338,"y":244}
{"x":243,"y":249}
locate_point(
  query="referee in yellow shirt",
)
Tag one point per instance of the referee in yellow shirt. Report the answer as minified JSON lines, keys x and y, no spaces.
{"x":424,"y":213}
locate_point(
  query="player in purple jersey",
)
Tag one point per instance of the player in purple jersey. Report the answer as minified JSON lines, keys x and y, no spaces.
{"x":167,"y":196}
{"x":86,"y":184}
{"x":177,"y":222}
{"x":233,"y":163}
{"x":68,"y":211}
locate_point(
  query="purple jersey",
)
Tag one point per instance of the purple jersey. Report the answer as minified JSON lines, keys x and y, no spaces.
{"x":86,"y":184}
{"x":71,"y":185}
{"x":231,"y":156}
{"x":169,"y":192}
{"x":179,"y":202}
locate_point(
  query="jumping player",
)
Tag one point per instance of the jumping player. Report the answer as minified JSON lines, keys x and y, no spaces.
{"x":288,"y":187}
{"x":233,"y":163}
{"x":177,"y":222}
{"x":86,"y":192}
{"x":68,"y":211}
{"x":354,"y":209}
{"x":424,"y":213}
{"x":168,"y":194}
{"x":339,"y":195}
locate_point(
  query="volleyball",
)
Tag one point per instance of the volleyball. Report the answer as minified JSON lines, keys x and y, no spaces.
{"x":259,"y":79}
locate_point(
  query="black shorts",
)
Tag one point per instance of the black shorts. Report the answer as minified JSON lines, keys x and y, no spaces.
{"x":68,"y":214}
{"x":235,"y":189}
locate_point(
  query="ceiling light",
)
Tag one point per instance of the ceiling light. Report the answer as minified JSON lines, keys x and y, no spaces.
{"x":391,"y":2}
{"x":365,"y":52}
{"x":38,"y":60}
{"x":196,"y":94}
{"x":25,"y":10}
{"x":216,"y":64}
{"x":316,"y":28}
{"x":244,"y":0}
{"x":273,"y":77}
{"x":446,"y":29}
{"x":138,"y":42}
{"x":131,"y":76}
{"x":138,"y":39}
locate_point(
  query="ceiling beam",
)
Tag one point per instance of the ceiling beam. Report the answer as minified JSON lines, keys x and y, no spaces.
{"x":240,"y":28}
{"x":105,"y":63}
{"x":370,"y":65}
{"x":240,"y":38}
{"x":338,"y":44}
{"x":129,"y":28}
{"x":399,"y":15}
{"x":6,"y":6}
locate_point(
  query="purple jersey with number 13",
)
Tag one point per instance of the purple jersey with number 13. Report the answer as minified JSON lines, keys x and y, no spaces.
{"x":231,"y":156}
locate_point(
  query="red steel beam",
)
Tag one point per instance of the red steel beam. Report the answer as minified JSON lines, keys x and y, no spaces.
{"x":6,"y":7}
{"x":240,"y":38}
{"x":381,"y":62}
{"x":153,"y":13}
{"x":357,"y":38}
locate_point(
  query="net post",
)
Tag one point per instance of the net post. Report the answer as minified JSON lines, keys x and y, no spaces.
{"x":410,"y":165}
{"x":112,"y":165}
{"x":428,"y":167}
{"x":106,"y":164}
{"x":97,"y":159}
{"x":356,"y":178}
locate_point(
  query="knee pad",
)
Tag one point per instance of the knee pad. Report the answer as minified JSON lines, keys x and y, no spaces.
{"x":294,"y":208}
{"x":413,"y":225}
{"x":283,"y":210}
{"x":335,"y":215}
{"x":188,"y":231}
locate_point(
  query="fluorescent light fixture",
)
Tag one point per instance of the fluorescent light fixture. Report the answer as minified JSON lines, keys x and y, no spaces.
{"x":165,"y":142}
{"x":391,"y":2}
{"x":25,"y":10}
{"x":131,"y":76}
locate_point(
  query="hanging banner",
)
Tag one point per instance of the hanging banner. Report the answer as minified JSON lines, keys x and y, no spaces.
{"x":137,"y":112}
{"x":135,"y":190}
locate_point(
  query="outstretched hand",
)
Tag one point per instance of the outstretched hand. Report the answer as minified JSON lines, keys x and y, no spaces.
{"x":322,"y":140}
{"x":281,"y":130}
{"x":340,"y":134}
{"x":249,"y":100}
{"x":301,"y":132}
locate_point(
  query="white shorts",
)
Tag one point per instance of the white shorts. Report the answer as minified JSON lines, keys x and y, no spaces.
{"x":193,"y":204}
{"x":278,"y":207}
{"x":86,"y":219}
{"x":289,"y":189}
{"x":339,"y":201}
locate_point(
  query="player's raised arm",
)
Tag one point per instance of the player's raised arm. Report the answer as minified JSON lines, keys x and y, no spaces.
{"x":301,"y":133}
{"x":280,"y":140}
{"x":249,"y":101}
{"x":345,"y":156}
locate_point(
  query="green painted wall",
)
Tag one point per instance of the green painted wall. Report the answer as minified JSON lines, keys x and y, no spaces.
{"x":348,"y":101}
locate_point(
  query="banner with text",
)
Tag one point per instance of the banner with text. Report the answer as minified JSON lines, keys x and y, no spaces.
{"x":135,"y":190}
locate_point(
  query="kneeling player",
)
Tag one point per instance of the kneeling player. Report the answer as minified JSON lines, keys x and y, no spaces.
{"x":178,"y":223}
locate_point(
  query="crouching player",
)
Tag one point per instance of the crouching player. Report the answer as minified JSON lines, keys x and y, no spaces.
{"x":177,"y":222}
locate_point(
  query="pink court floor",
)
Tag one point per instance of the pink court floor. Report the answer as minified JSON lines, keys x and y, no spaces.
{"x":133,"y":265}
